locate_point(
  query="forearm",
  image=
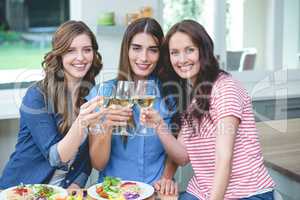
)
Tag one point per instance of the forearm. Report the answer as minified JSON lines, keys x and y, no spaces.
{"x":100,"y":146}
{"x":69,"y":145}
{"x":170,"y":169}
{"x":174,"y":148}
{"x":221,"y":179}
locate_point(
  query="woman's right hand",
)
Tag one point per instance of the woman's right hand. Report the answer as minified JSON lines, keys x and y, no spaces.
{"x":151,"y":118}
{"x":87,"y":115}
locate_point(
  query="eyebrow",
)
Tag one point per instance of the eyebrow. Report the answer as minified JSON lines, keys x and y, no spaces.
{"x":191,"y":46}
{"x":150,"y":47}
{"x":88,"y":46}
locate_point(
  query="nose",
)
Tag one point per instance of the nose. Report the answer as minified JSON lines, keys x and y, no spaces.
{"x":143,"y":55}
{"x":80,"y":55}
{"x":182,"y":58}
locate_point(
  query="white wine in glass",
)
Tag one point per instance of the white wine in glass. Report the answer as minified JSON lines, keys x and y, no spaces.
{"x":124,"y":93}
{"x":145,"y":94}
{"x":145,"y":101}
{"x":107,"y":92}
{"x":123,"y":102}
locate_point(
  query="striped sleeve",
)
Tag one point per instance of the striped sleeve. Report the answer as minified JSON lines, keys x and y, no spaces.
{"x":227,"y":99}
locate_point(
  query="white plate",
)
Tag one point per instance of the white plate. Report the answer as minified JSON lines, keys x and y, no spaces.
{"x":57,"y":190}
{"x":146,"y":190}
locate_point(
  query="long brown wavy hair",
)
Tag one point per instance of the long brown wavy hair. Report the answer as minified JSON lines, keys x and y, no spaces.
{"x":209,"y":71}
{"x":54,"y":85}
{"x":142,"y":25}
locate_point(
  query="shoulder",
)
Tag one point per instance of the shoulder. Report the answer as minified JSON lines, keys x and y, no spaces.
{"x":34,"y":94}
{"x":226,"y":83}
{"x":33,"y":101}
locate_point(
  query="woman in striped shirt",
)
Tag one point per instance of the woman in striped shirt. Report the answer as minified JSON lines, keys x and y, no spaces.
{"x":217,"y":132}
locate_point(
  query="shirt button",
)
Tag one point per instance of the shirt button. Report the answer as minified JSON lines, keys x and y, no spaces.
{"x":72,"y":168}
{"x":67,"y":181}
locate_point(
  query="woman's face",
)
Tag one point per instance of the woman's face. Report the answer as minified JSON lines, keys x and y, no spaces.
{"x":143,"y":55}
{"x":78,"y":59}
{"x":184,"y":56}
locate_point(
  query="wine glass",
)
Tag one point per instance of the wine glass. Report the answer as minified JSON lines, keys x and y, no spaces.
{"x":106,"y":91}
{"x":124,"y":93}
{"x":145,"y":94}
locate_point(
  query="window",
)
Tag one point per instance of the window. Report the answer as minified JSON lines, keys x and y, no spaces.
{"x":248,"y":34}
{"x":26,"y":28}
{"x":175,"y":11}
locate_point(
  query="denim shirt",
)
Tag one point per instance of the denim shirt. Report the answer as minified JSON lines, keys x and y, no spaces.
{"x":36,"y":158}
{"x":143,"y":159}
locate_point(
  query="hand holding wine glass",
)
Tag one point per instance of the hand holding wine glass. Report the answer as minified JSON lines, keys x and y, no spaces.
{"x":151,"y":118}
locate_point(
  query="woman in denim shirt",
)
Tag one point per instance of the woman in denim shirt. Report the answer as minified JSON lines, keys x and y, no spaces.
{"x":52,"y":147}
{"x":144,"y":157}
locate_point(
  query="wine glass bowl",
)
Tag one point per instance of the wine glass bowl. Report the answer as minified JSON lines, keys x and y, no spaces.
{"x":107,"y":92}
{"x":145,"y":94}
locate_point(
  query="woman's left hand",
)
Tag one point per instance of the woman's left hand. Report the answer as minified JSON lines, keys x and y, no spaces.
{"x":150,"y":118}
{"x":166,"y":187}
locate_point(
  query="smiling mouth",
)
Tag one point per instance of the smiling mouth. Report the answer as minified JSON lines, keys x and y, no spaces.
{"x":185,"y":68}
{"x":79,"y":67}
{"x":143,"y":66}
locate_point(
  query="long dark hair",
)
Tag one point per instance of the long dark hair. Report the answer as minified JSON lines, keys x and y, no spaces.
{"x":209,"y":71}
{"x":54,"y":85}
{"x":142,"y":25}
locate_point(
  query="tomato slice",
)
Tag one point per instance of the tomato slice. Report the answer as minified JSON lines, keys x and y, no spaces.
{"x":101,"y":192}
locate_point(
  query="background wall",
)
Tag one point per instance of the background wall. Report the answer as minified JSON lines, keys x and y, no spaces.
{"x":255,"y":28}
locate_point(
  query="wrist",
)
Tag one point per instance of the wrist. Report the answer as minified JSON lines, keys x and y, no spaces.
{"x":81,"y":123}
{"x":167,"y":177}
{"x":160,"y":126}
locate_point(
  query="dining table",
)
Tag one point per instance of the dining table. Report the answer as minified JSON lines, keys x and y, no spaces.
{"x":280,"y":141}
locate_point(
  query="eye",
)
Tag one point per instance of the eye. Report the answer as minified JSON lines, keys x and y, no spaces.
{"x":70,"y":50}
{"x":154,"y":50}
{"x":190,"y":50}
{"x":135,"y":48}
{"x":88,"y":50}
{"x":174,"y":53}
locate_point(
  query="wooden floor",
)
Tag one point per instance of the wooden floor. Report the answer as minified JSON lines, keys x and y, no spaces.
{"x":280,"y":142}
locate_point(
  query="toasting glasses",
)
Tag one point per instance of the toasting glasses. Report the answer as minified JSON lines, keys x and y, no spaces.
{"x":145,"y":94}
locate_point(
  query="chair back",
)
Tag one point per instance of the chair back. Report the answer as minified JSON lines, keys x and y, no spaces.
{"x":248,"y":58}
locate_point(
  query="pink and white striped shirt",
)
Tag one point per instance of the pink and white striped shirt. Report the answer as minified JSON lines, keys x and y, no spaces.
{"x":248,"y":174}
